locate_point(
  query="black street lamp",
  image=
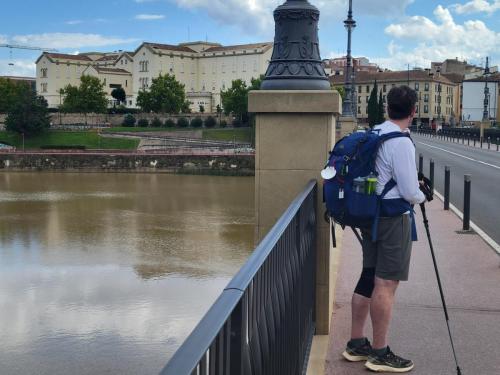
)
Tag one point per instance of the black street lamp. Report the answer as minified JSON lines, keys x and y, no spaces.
{"x":486,"y":114}
{"x":296,"y":62}
{"x":349,"y":101}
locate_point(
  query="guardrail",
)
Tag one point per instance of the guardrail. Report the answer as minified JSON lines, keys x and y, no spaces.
{"x":487,"y":142}
{"x":263,"y":322}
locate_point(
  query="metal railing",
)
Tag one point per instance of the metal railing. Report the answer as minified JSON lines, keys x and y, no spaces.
{"x":263,"y":322}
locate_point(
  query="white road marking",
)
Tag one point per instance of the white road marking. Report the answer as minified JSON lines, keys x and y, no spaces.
{"x":490,"y":241}
{"x":460,"y":155}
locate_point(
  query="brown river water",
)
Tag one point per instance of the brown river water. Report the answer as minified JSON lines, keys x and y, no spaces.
{"x":108,"y":273}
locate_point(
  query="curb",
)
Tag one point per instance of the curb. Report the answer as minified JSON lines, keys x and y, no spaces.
{"x":490,"y":241}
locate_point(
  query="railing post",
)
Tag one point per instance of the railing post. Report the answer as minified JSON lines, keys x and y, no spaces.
{"x":474,"y":141}
{"x":498,"y":143}
{"x":468,"y":140}
{"x":481,"y":142}
{"x":467,"y":192}
{"x":489,"y":143}
{"x":420,"y":163}
{"x":446,"y":188}
{"x":431,"y":174}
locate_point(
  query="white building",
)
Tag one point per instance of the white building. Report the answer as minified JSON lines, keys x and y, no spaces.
{"x":473,"y":98}
{"x":204,"y":68}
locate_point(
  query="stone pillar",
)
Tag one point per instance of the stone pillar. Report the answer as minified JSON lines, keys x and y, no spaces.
{"x":295,"y":130}
{"x":348,"y":125}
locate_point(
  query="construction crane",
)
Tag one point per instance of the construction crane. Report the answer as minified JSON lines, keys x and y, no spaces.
{"x":32,"y":48}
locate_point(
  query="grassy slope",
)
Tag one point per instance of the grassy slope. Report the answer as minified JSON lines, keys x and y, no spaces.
{"x":239,"y":134}
{"x":90,"y":140}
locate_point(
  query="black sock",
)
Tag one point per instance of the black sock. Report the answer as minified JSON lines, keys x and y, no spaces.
{"x":380,"y":352}
{"x":358,"y":343}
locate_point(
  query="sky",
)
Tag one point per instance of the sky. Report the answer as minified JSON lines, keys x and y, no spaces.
{"x":392,"y":33}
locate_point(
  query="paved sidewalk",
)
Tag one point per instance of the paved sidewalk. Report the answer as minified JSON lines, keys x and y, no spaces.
{"x":470,"y":273}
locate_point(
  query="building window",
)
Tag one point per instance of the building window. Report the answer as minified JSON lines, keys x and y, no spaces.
{"x":143,"y":66}
{"x":367,"y":99}
{"x":426,"y":109}
{"x":143,"y":83}
{"x":384,"y":98}
{"x":426,"y":98}
{"x":427,"y":86}
{"x":359,"y":89}
{"x":367,"y":88}
{"x":417,"y":109}
{"x":417,"y":86}
{"x":359,"y":99}
{"x":44,"y":72}
{"x":44,"y":87}
{"x":359,"y":110}
{"x":385,"y":88}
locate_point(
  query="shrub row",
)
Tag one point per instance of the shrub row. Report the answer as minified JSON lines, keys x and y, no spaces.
{"x":130,"y":121}
{"x":63,"y":147}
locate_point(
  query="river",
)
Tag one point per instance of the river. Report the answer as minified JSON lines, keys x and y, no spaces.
{"x":108,"y":273}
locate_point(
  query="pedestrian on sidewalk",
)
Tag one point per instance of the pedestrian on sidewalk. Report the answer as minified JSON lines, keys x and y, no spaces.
{"x":386,"y":261}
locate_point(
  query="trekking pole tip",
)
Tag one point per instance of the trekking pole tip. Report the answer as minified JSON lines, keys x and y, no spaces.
{"x":459,"y":372}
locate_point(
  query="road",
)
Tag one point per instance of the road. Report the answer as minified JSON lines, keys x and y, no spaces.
{"x":482,"y":165}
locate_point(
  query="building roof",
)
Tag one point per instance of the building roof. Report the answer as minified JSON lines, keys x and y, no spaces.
{"x":66,"y":56}
{"x":18,"y":78}
{"x":454,"y":77}
{"x":167,"y":47}
{"x":108,"y":58}
{"x":240,"y":47}
{"x":111,"y":70}
{"x":492,"y":78}
{"x":398,"y":76}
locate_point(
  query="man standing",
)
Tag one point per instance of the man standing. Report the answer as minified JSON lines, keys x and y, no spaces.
{"x":386,"y":262}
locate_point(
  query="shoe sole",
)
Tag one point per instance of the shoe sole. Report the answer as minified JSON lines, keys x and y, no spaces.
{"x":383,"y":368}
{"x":354,"y":358}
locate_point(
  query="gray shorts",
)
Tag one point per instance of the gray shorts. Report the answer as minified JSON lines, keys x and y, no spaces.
{"x":390,"y":254}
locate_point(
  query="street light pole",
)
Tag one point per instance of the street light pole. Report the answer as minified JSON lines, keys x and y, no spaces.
{"x":486,"y":114}
{"x":347,"y":106}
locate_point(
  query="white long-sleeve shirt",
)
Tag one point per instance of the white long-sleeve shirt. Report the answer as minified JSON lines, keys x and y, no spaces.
{"x":396,"y":159}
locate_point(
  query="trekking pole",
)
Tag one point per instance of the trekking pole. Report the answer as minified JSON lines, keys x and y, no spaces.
{"x":426,"y":224}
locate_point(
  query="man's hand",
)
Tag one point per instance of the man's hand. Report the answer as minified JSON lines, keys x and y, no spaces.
{"x":425,"y":187}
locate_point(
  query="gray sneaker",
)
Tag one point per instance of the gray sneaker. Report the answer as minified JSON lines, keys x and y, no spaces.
{"x":357,"y":354}
{"x":389,"y":362}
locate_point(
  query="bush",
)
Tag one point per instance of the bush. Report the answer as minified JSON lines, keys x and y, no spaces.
{"x":169,"y":123}
{"x":129,"y":120}
{"x":223,"y":124}
{"x":143,"y":123}
{"x":210,"y":122}
{"x":182,"y":122}
{"x":156,"y":123}
{"x":63,"y":147}
{"x":236,"y":123}
{"x":197,"y":122}
{"x":122,"y":110}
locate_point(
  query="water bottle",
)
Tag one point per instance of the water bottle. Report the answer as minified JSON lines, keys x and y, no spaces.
{"x":358,"y":185}
{"x":371,"y":184}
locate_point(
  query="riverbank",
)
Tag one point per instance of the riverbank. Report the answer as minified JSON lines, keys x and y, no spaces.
{"x":209,"y":164}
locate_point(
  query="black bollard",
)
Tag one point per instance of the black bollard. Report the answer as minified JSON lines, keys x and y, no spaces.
{"x":467,"y":191}
{"x":421,"y":163}
{"x":431,"y":174}
{"x":446,"y":188}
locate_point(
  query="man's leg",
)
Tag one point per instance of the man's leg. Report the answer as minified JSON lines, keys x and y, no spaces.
{"x":360,"y":310}
{"x":381,"y":310}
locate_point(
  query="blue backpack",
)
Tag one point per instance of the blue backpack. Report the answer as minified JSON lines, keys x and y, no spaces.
{"x":349,"y":189}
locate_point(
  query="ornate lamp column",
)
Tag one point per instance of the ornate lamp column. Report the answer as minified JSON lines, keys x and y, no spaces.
{"x":348,"y":104}
{"x":296,"y":62}
{"x":486,"y":112}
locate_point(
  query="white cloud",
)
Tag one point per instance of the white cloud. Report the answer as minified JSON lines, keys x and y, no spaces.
{"x":149,"y":17}
{"x":257,"y":15}
{"x":437,"y":40}
{"x":24,"y":67}
{"x":73,"y":22}
{"x":477,"y":6}
{"x":68,"y":40}
{"x":3,"y":39}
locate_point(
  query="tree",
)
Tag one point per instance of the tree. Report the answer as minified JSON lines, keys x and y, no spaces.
{"x":340,"y":90}
{"x":202,"y":108}
{"x":166,"y":95}
{"x":255,"y":83}
{"x":235,"y":99}
{"x":373,"y":114}
{"x":9,"y":93}
{"x":186,"y":107}
{"x":89,"y":97}
{"x":29,"y":115}
{"x":119,"y":95}
{"x":197,"y":122}
{"x":381,"y":109}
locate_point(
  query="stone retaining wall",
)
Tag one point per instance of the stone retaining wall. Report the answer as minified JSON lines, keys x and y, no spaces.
{"x":239,"y":165}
